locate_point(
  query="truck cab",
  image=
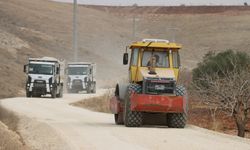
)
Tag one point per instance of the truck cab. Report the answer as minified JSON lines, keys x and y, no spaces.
{"x":81,"y":77}
{"x":44,"y":76}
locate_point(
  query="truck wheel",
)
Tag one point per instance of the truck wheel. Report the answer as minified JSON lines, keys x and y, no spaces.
{"x":94,"y":89}
{"x":28,"y":94}
{"x":132,"y":118}
{"x":53,"y":93}
{"x":178,"y":120}
{"x":69,"y":90}
{"x":118,"y":119}
{"x":60,"y":92}
{"x":88,"y":90}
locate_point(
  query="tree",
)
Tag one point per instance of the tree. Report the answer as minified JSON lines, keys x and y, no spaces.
{"x":222,"y":81}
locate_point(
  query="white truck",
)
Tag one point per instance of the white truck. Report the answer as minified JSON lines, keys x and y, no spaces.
{"x":44,"y":76}
{"x":81,"y":77}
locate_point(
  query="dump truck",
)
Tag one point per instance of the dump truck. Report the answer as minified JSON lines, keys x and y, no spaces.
{"x":44,"y":76}
{"x":81,"y":77}
{"x":152,"y":86}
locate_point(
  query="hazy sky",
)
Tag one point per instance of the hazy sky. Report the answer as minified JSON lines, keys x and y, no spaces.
{"x":161,"y":2}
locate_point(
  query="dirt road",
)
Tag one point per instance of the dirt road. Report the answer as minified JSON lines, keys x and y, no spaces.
{"x":53,"y":124}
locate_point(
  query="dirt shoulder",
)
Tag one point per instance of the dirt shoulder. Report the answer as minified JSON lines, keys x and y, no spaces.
{"x":10,"y":138}
{"x":24,"y":133}
{"x":98,"y":103}
{"x":40,"y":136}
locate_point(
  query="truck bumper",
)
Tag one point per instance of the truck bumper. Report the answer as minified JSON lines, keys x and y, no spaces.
{"x":37,"y":90}
{"x":76,"y":85}
{"x":157,"y":103}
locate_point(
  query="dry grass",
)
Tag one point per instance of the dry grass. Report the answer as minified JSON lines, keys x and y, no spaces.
{"x":99,"y":104}
{"x":10,"y":140}
{"x":200,"y":115}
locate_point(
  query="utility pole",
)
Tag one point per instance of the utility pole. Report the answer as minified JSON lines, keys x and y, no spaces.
{"x":75,"y":38}
{"x":134,"y":21}
{"x":134,"y":27}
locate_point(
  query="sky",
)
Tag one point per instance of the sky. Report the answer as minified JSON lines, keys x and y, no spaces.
{"x":160,"y":2}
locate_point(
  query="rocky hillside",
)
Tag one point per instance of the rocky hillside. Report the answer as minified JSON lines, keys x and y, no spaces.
{"x":44,"y":28}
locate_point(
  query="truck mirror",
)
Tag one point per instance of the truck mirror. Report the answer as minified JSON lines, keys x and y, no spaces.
{"x":25,"y":68}
{"x":125,"y":58}
{"x":57,"y":70}
{"x":66,"y":71}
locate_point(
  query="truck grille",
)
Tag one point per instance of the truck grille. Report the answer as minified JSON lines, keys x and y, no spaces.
{"x":159,"y":87}
{"x":40,"y":84}
{"x":77,"y":82}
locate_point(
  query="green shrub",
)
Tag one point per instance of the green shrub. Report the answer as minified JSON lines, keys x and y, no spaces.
{"x":222,"y":81}
{"x":219,"y":65}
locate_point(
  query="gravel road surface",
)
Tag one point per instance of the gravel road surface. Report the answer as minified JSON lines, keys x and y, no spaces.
{"x":47,"y":123}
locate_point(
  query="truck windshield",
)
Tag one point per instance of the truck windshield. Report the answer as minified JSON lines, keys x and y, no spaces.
{"x":162,"y":58}
{"x":77,"y":70}
{"x":41,"y":69}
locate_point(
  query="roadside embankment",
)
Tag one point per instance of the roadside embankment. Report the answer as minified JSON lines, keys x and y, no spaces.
{"x":10,"y":139}
{"x":99,"y":103}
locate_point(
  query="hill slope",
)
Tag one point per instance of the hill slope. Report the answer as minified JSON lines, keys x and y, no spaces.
{"x":40,"y":27}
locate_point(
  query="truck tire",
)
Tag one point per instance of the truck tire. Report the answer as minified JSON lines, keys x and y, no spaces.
{"x":61,"y":92}
{"x":28,"y":94}
{"x":132,"y":118}
{"x":94,"y":88}
{"x":177,"y":120}
{"x":69,"y":91}
{"x":88,"y":90}
{"x":60,"y":95}
{"x":53,"y":92}
{"x":119,"y":119}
